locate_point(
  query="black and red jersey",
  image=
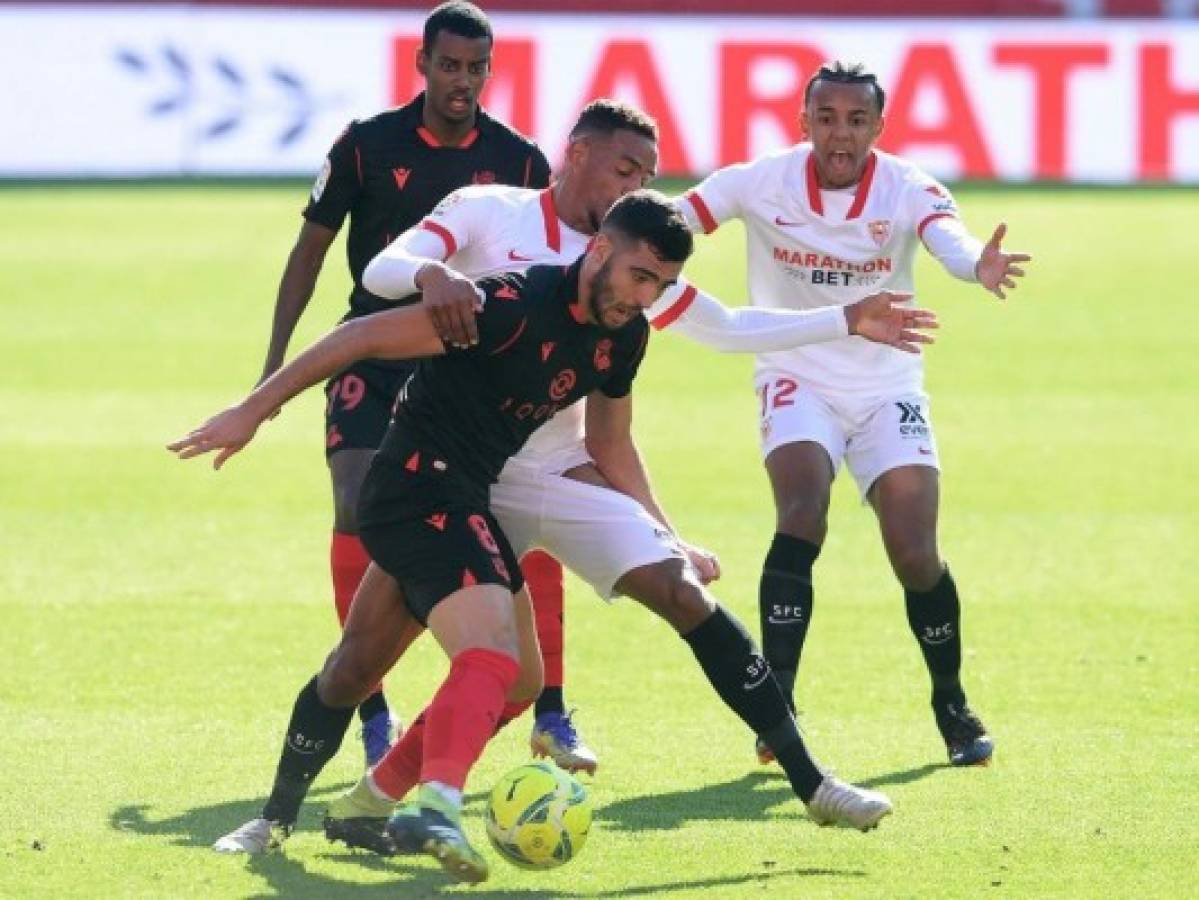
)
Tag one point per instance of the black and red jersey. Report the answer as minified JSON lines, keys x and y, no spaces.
{"x":474,"y":408}
{"x":388,"y":172}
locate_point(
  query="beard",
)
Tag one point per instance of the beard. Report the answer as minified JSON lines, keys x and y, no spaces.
{"x":600,"y":289}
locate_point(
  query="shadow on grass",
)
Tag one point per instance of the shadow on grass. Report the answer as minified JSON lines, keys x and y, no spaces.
{"x":746,"y":799}
{"x":903,"y":776}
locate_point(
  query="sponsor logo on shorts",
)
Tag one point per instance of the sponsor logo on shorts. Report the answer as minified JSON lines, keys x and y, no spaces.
{"x":912,"y":423}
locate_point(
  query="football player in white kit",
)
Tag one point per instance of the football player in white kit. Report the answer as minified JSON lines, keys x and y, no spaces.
{"x":828,"y":221}
{"x":552,"y":494}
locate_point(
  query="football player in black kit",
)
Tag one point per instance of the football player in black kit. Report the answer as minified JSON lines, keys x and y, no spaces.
{"x":387,"y":173}
{"x":547,"y":339}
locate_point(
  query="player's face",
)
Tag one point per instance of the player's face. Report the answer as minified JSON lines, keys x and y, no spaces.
{"x":610,"y":166}
{"x":455,"y":69}
{"x":631,"y":278}
{"x":842,"y":121}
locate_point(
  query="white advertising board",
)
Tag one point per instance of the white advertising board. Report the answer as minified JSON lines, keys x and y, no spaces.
{"x":175,"y":90}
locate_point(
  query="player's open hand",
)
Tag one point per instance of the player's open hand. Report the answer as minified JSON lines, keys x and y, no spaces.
{"x":885,"y":319}
{"x":452,"y":302}
{"x":706,"y":565}
{"x":226,"y":433}
{"x":996,"y":269}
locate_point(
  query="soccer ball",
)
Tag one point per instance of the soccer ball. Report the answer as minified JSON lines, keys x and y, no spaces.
{"x":538,"y":816}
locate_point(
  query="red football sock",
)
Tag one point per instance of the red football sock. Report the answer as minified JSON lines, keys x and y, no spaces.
{"x":398,"y":772}
{"x":543,"y":574}
{"x":348,"y":561}
{"x":464,"y":714}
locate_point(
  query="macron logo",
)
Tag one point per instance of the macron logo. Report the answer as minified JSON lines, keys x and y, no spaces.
{"x":507,"y":292}
{"x":401,"y":177}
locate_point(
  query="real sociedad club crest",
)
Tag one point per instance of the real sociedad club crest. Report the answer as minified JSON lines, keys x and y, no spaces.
{"x":880,"y":230}
{"x":603,"y":355}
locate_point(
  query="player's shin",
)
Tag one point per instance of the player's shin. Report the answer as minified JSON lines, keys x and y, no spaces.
{"x":785,"y":606}
{"x":544,"y":581}
{"x":744,"y":682}
{"x":314,"y":735}
{"x":465,"y":713}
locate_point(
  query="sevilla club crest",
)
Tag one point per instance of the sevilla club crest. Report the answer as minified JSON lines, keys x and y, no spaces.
{"x":880,"y":230}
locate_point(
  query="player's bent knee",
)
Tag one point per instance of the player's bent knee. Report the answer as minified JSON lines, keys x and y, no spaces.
{"x":803,"y":518}
{"x":679,"y":600}
{"x":917,"y":566}
{"x":345,"y":680}
{"x":528,"y":686}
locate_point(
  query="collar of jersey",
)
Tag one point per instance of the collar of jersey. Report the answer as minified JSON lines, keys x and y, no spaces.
{"x":859,"y":196}
{"x":413,"y":113}
{"x":568,"y":291}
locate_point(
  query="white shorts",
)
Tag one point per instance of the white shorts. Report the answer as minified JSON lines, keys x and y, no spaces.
{"x":598,"y":533}
{"x":873,"y":435}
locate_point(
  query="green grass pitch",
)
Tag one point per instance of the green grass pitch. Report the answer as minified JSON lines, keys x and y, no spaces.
{"x":156,"y":618}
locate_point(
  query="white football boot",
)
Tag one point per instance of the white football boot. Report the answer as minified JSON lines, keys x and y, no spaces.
{"x":838,"y":803}
{"x":255,"y":837}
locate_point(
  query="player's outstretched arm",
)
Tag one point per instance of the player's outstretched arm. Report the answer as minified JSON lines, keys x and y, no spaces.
{"x":884,"y":319}
{"x":996,"y":269}
{"x":753,"y":329}
{"x":405,"y":333}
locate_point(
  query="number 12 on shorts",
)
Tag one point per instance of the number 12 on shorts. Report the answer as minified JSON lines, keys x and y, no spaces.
{"x":777,"y":394}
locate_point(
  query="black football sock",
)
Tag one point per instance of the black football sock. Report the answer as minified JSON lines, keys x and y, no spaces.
{"x":935,"y":618}
{"x":551,"y":700}
{"x":785,"y":606}
{"x":313,"y":736}
{"x":745,"y":683}
{"x":372,"y":706}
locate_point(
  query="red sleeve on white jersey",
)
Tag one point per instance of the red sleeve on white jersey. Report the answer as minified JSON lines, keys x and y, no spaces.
{"x":929,"y":200}
{"x":719,"y":197}
{"x":459,"y":217}
{"x":672,"y":304}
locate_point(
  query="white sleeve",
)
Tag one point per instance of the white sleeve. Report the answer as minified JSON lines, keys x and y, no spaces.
{"x":716,"y":199}
{"x":392,"y":274}
{"x":748,"y":329}
{"x":954,"y":247}
{"x":934,"y":214}
{"x":446,"y":230}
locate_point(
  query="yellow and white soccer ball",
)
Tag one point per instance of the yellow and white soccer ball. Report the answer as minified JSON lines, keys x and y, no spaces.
{"x":538,"y":816}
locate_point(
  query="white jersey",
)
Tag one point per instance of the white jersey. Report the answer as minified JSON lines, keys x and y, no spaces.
{"x":487,"y":229}
{"x":810,"y":248}
{"x":484,"y":229}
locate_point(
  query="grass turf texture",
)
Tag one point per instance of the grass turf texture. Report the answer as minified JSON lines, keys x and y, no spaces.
{"x":158,"y":618}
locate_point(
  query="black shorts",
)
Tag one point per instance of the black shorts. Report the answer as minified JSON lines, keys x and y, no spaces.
{"x":359,"y":404}
{"x":430,"y":531}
